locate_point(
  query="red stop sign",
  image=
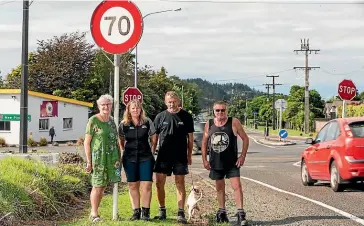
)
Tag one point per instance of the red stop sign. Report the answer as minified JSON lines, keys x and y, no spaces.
{"x":132,"y":93}
{"x":347,"y":90}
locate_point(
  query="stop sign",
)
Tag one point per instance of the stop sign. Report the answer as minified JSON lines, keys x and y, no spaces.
{"x":132,"y":93}
{"x":347,"y":90}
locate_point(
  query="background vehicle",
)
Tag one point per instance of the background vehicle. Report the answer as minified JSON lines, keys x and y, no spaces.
{"x":336,"y":154}
{"x":197,"y":135}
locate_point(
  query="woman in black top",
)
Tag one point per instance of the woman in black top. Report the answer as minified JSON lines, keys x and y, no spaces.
{"x":137,"y":133}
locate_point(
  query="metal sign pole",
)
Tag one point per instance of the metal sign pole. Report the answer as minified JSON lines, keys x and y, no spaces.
{"x":343,"y":110}
{"x":116,"y":119}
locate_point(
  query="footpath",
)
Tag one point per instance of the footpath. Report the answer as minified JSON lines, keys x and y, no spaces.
{"x":274,"y":139}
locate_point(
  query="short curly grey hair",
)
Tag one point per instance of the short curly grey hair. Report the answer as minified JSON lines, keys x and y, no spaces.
{"x":105,"y":97}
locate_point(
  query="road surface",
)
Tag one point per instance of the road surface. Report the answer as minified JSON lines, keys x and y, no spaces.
{"x":274,"y":194}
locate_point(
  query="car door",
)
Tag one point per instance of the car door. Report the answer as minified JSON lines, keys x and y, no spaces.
{"x":312,"y":156}
{"x":323,"y":154}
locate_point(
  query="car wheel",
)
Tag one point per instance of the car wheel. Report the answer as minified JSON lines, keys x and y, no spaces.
{"x":305,"y":175}
{"x":335,"y":179}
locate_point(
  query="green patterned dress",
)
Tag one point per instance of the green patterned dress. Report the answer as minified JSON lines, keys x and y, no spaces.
{"x":105,"y":153}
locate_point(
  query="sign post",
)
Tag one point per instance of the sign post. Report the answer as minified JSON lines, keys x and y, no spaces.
{"x":346,"y":91}
{"x":132,"y":93}
{"x":283,"y":134}
{"x":280,"y":105}
{"x":116,"y":27}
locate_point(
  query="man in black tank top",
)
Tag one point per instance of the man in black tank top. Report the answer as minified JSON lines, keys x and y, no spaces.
{"x":220,"y":138}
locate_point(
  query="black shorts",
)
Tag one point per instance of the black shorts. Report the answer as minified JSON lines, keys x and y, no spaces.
{"x":168,"y":168}
{"x":222,"y":174}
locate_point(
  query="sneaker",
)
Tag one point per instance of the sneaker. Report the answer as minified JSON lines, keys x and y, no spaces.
{"x":95,"y":219}
{"x":145,"y":214}
{"x":221,"y":217}
{"x":241,"y":219}
{"x":181,"y":218}
{"x":136,"y":215}
{"x":162,"y":214}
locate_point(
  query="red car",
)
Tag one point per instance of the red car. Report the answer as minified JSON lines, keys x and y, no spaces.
{"x":336,"y":154}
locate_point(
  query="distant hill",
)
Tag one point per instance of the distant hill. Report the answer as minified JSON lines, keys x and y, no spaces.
{"x":213,"y":91}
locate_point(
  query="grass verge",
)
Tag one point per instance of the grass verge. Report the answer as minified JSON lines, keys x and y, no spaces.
{"x":125,"y":210}
{"x":31,"y":190}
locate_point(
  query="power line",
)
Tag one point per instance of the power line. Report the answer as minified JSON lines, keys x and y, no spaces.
{"x":305,"y":47}
{"x":345,"y":73}
{"x":269,"y":2}
{"x":4,"y":3}
{"x":234,"y":79}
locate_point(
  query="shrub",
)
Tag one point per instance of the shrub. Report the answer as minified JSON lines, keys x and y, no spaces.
{"x":70,"y":143}
{"x":32,"y":142}
{"x":32,"y":190}
{"x":2,"y":142}
{"x":43,"y":141}
{"x":80,"y":141}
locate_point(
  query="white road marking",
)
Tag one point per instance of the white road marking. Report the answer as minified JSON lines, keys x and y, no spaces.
{"x":253,"y":166}
{"x":260,"y":143}
{"x":298,"y":164}
{"x":341,"y":212}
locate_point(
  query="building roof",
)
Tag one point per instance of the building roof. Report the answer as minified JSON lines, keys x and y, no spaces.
{"x":47,"y":96}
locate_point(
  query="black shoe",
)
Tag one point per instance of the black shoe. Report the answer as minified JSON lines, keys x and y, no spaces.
{"x":241,"y":219}
{"x":221,"y":217}
{"x":136,"y":215}
{"x":181,"y":218}
{"x":162,"y":214}
{"x":145,"y":214}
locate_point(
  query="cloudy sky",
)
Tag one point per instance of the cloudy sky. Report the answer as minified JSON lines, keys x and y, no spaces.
{"x":220,"y":41}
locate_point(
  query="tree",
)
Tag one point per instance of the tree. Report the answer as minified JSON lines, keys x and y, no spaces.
{"x":361,"y":96}
{"x":1,"y":81}
{"x":59,"y":65}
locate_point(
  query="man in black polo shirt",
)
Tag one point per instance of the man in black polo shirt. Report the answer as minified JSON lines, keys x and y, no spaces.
{"x":174,"y":128}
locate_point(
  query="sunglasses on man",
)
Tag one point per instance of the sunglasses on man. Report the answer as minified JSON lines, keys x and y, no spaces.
{"x":218,"y":110}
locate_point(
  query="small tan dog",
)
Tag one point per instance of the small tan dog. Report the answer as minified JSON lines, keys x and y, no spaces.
{"x":192,"y":201}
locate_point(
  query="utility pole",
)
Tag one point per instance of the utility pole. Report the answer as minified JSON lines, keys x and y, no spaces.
{"x":305,"y":47}
{"x":274,"y":84}
{"x":266,"y":130}
{"x":23,"y":139}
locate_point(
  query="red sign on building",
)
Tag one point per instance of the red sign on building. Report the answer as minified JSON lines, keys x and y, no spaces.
{"x":49,"y":109}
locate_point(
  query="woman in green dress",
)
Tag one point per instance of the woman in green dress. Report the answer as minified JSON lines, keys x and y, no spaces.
{"x":102,"y":152}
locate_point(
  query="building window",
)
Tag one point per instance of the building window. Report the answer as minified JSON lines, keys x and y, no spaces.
{"x":4,"y":126}
{"x":43,"y":124}
{"x":67,"y":123}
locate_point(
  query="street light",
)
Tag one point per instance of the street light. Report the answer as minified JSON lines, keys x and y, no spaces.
{"x":136,"y":47}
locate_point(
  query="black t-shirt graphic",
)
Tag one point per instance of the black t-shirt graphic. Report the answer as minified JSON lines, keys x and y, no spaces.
{"x":173,"y":130}
{"x":222,"y":146}
{"x":137,"y":146}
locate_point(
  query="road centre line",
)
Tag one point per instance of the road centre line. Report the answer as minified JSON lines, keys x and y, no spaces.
{"x":341,"y":212}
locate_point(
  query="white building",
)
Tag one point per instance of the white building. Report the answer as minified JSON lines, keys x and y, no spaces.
{"x":69,"y":117}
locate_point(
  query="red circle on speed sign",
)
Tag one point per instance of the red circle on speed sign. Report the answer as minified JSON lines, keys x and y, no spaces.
{"x":116,"y":26}
{"x":132,"y":93}
{"x":347,"y":89}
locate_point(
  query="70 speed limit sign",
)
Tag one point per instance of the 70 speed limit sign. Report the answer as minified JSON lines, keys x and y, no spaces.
{"x":116,"y":26}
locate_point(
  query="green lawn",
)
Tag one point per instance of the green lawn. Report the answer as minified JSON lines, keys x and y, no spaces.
{"x":125,"y":210}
